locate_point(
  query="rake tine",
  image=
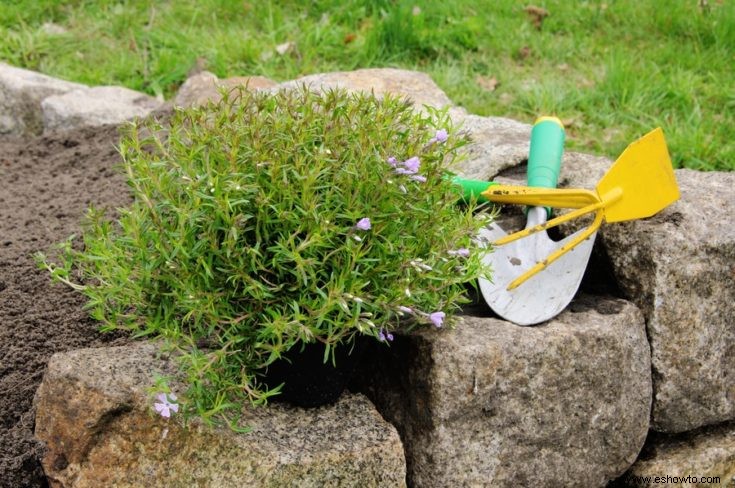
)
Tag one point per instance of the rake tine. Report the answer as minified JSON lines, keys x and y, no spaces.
{"x":548,"y":225}
{"x":559,"y":252}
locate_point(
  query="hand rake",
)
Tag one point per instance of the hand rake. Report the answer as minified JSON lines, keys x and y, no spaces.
{"x":639,"y":184}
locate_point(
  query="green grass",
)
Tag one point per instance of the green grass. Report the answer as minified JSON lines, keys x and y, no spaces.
{"x":614,"y":69}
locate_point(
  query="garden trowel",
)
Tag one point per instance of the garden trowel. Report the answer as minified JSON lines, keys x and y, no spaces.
{"x":639,"y":184}
{"x":543,"y":298}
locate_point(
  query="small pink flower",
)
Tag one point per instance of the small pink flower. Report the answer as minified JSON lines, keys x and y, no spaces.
{"x":363,"y":224}
{"x":164,"y":406}
{"x":437,"y":318}
{"x":461,"y":252}
{"x":412,"y":164}
{"x":441,"y":136}
{"x":392,"y":161}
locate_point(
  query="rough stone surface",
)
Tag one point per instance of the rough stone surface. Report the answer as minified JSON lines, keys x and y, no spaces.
{"x":566,"y":403}
{"x":21,"y":92}
{"x":95,"y":106}
{"x":203,"y":87}
{"x":497,"y":144}
{"x":708,"y":453}
{"x":679,"y":268}
{"x":96,"y":420}
{"x":418,"y":87}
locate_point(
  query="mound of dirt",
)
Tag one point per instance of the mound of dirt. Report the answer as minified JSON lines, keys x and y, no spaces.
{"x":48,"y":182}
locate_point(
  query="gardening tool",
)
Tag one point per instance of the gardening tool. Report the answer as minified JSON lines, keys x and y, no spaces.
{"x":640,"y":183}
{"x":540,"y":299}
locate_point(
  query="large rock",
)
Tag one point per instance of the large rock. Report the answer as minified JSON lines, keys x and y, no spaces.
{"x":21,"y":93}
{"x":703,"y":458}
{"x":97,"y":422}
{"x":566,"y":403}
{"x":100,"y":105}
{"x":679,"y":268}
{"x":418,"y":87}
{"x":204,"y":87}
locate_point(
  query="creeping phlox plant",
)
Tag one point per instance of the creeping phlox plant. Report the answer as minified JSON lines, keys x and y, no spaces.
{"x":269,"y":220}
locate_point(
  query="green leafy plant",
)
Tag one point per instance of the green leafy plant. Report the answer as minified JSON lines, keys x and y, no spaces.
{"x":271,"y":220}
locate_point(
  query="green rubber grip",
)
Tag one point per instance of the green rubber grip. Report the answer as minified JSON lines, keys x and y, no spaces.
{"x":544,"y":157}
{"x":472,"y":188}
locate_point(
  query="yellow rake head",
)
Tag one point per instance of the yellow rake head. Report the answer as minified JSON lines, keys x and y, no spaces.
{"x":638,"y":185}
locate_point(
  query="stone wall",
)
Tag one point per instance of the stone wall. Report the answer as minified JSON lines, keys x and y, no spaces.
{"x":566,"y":403}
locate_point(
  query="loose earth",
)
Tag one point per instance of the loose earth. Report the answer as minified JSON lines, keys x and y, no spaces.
{"x":48,"y":182}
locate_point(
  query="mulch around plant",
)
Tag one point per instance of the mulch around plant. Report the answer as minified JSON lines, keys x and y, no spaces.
{"x":46,"y":185}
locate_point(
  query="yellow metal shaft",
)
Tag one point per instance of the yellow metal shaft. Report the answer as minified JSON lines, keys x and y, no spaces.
{"x":559,"y":252}
{"x":548,"y":225}
{"x":541,"y":197}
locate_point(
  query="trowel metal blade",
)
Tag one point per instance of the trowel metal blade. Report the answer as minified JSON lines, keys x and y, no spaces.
{"x":544,"y":295}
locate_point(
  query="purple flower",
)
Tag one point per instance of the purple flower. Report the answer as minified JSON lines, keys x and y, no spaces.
{"x":412,"y":164}
{"x":405,"y":309}
{"x":389,"y":336}
{"x":164,"y":406}
{"x":441,"y":136}
{"x":462,"y":252}
{"x":409,"y":166}
{"x":384,"y":336}
{"x":392,"y":161}
{"x":363,"y":224}
{"x":419,"y":178}
{"x":437,"y":318}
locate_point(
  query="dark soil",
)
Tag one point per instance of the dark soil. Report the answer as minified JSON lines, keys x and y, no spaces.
{"x":46,"y":184}
{"x":297,"y":369}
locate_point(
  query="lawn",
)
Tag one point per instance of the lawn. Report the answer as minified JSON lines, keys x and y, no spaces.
{"x":612,"y":70}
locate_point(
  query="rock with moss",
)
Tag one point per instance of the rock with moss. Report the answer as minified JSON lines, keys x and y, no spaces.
{"x":97,"y":419}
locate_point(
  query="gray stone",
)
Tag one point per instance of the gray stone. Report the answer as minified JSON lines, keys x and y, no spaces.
{"x":708,"y":453}
{"x":206,"y":87}
{"x":418,"y":87}
{"x":96,"y":106}
{"x":566,"y":403}
{"x":51,"y":29}
{"x":497,"y":145}
{"x":21,"y":92}
{"x":679,"y":268}
{"x":97,"y":422}
{"x":581,"y":170}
